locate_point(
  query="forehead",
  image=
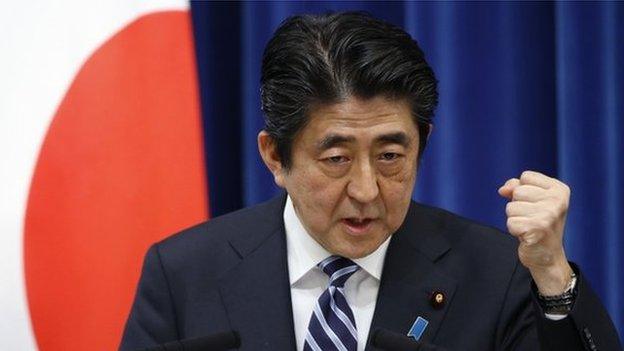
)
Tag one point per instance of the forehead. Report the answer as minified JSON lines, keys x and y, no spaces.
{"x":360,"y":119}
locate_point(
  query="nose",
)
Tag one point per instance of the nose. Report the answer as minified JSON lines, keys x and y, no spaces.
{"x":363,"y":185}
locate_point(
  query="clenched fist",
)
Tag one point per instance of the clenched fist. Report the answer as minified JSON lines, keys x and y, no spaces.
{"x":536,"y":215}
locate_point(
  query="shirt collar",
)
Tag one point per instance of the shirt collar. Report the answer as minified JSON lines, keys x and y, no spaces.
{"x":304,"y":252}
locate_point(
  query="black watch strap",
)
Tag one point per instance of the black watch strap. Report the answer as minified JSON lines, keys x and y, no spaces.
{"x":562,"y":303}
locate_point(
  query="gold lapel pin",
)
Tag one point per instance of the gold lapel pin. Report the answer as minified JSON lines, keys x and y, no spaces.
{"x":437,"y":299}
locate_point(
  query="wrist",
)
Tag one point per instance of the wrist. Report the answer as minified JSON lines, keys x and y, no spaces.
{"x":560,"y":304}
{"x":553,"y":280}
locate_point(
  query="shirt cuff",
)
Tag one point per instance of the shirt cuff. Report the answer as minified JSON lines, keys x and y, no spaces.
{"x":555,"y":317}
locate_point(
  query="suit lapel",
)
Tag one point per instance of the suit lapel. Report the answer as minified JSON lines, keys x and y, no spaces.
{"x":256,"y":292}
{"x":410,"y":277}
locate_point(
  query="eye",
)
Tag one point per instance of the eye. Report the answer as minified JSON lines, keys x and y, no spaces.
{"x":336,"y":159}
{"x":389,"y":156}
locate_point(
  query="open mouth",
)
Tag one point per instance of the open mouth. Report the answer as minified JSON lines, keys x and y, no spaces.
{"x":357,"y":225}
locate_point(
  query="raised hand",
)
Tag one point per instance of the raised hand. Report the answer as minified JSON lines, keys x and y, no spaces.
{"x":536,"y":215}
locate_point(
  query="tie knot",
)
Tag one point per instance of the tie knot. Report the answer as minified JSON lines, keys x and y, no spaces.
{"x":339,"y":269}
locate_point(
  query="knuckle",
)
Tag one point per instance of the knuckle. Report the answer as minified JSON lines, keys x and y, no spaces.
{"x":566,"y":189}
{"x":562,"y":189}
{"x":509,"y":208}
{"x":566,"y":192}
{"x":515,"y":226}
{"x":519,"y":192}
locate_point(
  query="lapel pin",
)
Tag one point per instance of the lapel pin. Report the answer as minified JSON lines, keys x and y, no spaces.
{"x":437,"y":299}
{"x":418,"y":328}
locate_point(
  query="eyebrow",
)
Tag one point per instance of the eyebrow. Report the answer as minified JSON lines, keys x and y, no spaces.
{"x":333,"y":140}
{"x":394,"y":138}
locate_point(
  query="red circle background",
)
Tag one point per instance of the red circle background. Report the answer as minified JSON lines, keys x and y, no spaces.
{"x":121,"y":167}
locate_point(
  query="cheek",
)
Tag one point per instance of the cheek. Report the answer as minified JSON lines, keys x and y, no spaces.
{"x":306,"y":186}
{"x":397,"y":194}
{"x":317,"y":194}
{"x":400,"y":184}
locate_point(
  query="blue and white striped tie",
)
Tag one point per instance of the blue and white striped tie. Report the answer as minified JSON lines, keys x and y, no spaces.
{"x":332,"y":325}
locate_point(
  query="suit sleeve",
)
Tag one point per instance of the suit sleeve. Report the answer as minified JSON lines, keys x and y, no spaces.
{"x":152,"y":318}
{"x":516,"y":327}
{"x":523,"y":325}
{"x":587,"y":326}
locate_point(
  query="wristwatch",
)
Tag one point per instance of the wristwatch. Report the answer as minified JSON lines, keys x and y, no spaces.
{"x":562,"y":303}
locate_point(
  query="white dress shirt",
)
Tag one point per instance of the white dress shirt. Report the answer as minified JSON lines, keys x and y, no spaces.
{"x":307,"y":282}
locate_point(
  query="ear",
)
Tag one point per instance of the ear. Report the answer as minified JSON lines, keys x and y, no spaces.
{"x":430,"y":130}
{"x":270,"y":156}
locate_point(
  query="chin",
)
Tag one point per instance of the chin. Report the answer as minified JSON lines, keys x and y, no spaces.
{"x":352,"y":252}
{"x":359,"y":248}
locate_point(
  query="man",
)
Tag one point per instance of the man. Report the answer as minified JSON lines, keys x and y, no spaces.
{"x":349,"y":101}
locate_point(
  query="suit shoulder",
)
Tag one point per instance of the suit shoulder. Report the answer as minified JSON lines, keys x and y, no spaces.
{"x":479,"y":257}
{"x":469,"y":234}
{"x":211,"y":238}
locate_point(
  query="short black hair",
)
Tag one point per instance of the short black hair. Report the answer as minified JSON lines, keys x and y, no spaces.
{"x":325,"y":59}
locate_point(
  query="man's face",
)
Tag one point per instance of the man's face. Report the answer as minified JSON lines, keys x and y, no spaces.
{"x":352,"y":174}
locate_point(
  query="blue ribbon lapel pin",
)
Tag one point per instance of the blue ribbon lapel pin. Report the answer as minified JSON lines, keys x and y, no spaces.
{"x":418,"y":328}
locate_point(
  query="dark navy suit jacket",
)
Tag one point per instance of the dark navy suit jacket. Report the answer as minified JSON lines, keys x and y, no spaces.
{"x":231,"y":273}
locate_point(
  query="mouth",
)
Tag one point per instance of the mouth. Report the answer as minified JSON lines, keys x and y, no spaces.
{"x":357,"y":226}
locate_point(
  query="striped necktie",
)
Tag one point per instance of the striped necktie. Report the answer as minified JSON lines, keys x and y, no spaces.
{"x":332,"y":325}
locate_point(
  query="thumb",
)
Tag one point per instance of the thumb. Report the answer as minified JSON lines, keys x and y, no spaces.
{"x":507,"y":189}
